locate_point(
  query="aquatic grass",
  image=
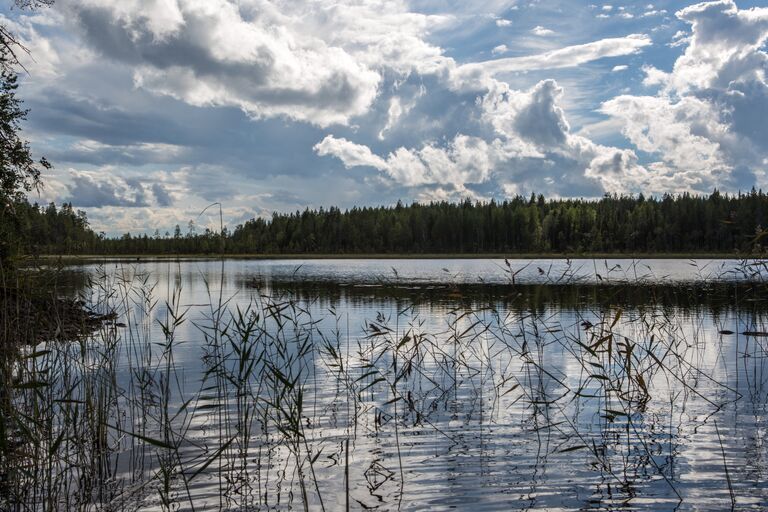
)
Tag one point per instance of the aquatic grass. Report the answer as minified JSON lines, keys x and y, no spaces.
{"x":285,"y":404}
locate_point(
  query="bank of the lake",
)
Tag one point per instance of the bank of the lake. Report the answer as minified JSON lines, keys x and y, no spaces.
{"x":78,"y":258}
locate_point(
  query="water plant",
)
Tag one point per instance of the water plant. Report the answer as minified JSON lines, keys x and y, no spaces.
{"x":258,"y":400}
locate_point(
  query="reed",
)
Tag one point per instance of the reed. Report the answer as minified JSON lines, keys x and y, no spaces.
{"x":286,"y":407}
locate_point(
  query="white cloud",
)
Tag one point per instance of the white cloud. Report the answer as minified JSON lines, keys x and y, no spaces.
{"x":620,"y":67}
{"x":351,"y":154}
{"x":654,"y":12}
{"x":497,"y":50}
{"x":532,"y":117}
{"x":569,"y":56}
{"x":680,"y":38}
{"x":319,"y":62}
{"x":533,"y":125}
{"x":44,"y":58}
{"x":617,"y":170}
{"x":725,"y":46}
{"x":95,"y":190}
{"x":541,"y":31}
{"x":654,"y":76}
{"x":501,"y":22}
{"x":397,"y":109}
{"x":704,"y":125}
{"x":684,"y":134}
{"x":464,"y":160}
{"x":532,"y":147}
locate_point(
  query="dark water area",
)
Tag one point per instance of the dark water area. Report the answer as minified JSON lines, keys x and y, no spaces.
{"x":418,"y":385}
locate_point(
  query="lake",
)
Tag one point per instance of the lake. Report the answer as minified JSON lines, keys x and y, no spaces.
{"x":448,"y":384}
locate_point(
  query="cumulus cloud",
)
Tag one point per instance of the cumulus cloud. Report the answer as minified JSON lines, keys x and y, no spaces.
{"x":319,"y":62}
{"x":725,"y":46}
{"x":685,"y":133}
{"x":534,"y":116}
{"x":95,"y":191}
{"x":465,"y":160}
{"x":351,"y":154}
{"x":535,"y":125}
{"x":654,"y":76}
{"x":109,"y":187}
{"x":704,"y":124}
{"x":530,"y":145}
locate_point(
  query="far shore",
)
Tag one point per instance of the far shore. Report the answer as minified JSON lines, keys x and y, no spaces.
{"x":85,"y":258}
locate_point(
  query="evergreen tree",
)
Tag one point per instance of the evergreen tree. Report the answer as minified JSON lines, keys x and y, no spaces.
{"x":19,"y":172}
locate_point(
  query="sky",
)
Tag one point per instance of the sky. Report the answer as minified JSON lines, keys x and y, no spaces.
{"x":151,"y":110}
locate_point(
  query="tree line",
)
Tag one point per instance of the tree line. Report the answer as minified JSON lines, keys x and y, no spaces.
{"x":685,"y":223}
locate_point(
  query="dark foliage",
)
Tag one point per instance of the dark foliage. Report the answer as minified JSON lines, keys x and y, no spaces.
{"x":19,"y":172}
{"x":686,"y":223}
{"x":52,"y":230}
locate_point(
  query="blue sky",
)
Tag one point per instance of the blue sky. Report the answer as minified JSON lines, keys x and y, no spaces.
{"x":152,"y":109}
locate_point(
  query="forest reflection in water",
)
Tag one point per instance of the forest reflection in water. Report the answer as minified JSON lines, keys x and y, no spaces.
{"x":220,"y":389}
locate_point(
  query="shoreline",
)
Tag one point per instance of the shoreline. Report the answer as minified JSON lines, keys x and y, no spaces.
{"x":80,"y":258}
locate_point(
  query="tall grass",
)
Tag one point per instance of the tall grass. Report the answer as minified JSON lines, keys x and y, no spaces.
{"x":292,"y":411}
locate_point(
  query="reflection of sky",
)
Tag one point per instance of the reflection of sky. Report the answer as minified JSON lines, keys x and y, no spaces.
{"x":482,"y":444}
{"x":468,"y":271}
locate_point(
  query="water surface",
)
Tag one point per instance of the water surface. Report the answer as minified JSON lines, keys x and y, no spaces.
{"x":437,"y":384}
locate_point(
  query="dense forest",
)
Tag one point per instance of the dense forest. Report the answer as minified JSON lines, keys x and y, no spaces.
{"x":48,"y":230}
{"x":718,"y":223}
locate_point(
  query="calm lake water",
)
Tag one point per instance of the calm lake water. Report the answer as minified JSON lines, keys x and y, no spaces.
{"x":435,"y":384}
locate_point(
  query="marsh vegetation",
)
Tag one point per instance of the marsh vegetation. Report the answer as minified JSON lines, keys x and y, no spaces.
{"x":221,"y":386}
